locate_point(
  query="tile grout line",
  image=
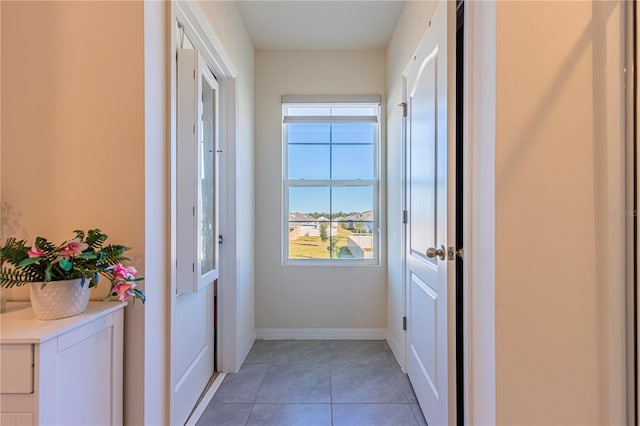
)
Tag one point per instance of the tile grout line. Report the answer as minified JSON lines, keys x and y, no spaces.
{"x":253,"y":404}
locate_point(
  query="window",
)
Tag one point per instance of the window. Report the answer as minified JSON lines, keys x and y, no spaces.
{"x":331,"y":180}
{"x":197,"y":173}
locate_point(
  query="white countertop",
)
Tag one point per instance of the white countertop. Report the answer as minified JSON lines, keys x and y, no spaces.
{"x":19,"y":325}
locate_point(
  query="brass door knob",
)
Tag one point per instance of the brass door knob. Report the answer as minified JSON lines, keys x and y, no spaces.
{"x":432,"y":253}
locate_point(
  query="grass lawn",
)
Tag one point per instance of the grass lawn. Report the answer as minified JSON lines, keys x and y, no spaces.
{"x":314,"y":248}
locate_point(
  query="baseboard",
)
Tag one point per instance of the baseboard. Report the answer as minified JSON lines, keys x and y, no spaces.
{"x":397,"y":350}
{"x":321,"y":333}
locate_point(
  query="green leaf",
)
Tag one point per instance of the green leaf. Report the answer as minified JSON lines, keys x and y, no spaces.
{"x":65,"y":265}
{"x":29,"y":261}
{"x":47,"y":272}
{"x":88,"y":255}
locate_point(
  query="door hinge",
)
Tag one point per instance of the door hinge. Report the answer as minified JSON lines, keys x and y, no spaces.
{"x":220,"y":239}
{"x":405,"y":216}
{"x":193,"y":267}
{"x":194,"y":74}
{"x":193,"y":210}
{"x":404,"y":108}
{"x":404,"y":323}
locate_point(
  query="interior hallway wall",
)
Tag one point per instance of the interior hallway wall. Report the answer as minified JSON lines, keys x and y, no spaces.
{"x":73,"y":139}
{"x":559,"y":283}
{"x":226,"y":23}
{"x":309,"y":297}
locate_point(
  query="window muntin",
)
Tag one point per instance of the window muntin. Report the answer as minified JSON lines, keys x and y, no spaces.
{"x":331,"y":182}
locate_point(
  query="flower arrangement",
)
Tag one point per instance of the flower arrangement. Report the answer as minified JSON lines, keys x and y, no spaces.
{"x":84,"y":257}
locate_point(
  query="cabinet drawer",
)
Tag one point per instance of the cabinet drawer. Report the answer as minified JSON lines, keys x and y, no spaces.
{"x":16,"y":368}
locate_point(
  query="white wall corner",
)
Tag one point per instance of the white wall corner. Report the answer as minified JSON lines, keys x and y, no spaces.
{"x":397,"y":350}
{"x":246,"y":348}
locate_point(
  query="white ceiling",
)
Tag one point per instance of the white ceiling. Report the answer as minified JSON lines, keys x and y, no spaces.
{"x":312,"y":24}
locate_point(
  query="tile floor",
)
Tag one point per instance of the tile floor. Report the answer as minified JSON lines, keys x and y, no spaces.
{"x":316,"y":383}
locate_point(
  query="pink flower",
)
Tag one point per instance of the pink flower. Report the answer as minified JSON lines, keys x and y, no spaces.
{"x":74,"y":247}
{"x":124,"y":291}
{"x":123,"y":273}
{"x":35,"y":252}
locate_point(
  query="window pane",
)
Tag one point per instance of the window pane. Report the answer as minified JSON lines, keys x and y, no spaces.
{"x":207,"y":185}
{"x":309,"y":133}
{"x":355,"y":201}
{"x":360,"y":133}
{"x":352,"y":162}
{"x":309,"y":200}
{"x":308,"y":162}
{"x":310,"y":239}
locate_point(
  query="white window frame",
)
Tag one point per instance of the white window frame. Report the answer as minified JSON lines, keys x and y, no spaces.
{"x":332,"y":101}
{"x":191,"y":68}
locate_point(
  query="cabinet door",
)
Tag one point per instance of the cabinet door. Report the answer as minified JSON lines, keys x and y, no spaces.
{"x":81,"y":375}
{"x":16,"y":369}
{"x":16,"y":419}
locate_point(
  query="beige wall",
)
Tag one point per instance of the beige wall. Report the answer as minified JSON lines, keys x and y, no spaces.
{"x":73,"y":143}
{"x":227,"y":25}
{"x":409,"y":30}
{"x":558,"y":290}
{"x":311,"y":296}
{"x":73,"y":108}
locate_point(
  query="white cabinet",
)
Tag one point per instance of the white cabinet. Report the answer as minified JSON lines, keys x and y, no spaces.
{"x":62,"y":372}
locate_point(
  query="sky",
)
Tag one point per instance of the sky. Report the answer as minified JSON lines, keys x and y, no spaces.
{"x":323,"y":199}
{"x":331,"y":151}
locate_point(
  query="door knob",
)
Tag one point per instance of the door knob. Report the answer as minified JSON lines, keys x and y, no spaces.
{"x":433,"y":253}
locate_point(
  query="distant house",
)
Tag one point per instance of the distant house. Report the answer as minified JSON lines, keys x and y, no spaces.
{"x":366,"y":218}
{"x":301,"y":224}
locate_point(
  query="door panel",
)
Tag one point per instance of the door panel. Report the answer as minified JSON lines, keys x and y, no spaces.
{"x":424,"y":302}
{"x":194,"y":349}
{"x":427,"y":276}
{"x":422,"y":197}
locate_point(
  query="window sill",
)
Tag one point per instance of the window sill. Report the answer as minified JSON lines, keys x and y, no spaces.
{"x":331,"y":262}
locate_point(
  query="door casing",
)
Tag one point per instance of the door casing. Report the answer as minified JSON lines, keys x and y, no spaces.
{"x":195,"y":25}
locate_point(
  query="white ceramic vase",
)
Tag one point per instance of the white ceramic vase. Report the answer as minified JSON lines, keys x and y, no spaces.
{"x":59,"y":299}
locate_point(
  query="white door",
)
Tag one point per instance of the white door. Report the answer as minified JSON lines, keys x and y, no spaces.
{"x":426,"y":278}
{"x":197,"y":246}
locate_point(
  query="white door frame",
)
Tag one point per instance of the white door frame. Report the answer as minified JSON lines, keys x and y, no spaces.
{"x":204,"y":39}
{"x":478,"y":215}
{"x":479,"y":143}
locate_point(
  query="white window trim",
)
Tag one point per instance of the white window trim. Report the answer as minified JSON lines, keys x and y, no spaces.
{"x":375,"y":182}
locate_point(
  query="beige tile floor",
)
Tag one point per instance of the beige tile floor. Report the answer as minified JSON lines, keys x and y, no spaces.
{"x":316,"y":382}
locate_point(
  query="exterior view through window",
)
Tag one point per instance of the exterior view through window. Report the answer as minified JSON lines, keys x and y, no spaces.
{"x":331,"y":181}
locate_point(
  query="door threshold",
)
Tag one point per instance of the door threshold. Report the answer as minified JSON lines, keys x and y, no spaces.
{"x":205,"y":398}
